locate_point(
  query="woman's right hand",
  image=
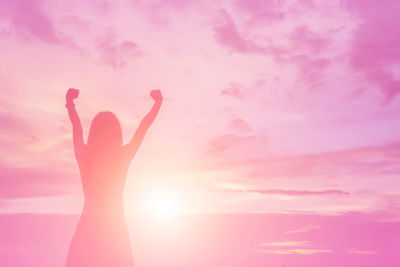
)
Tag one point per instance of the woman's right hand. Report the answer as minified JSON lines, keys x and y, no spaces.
{"x":72,"y":93}
{"x":156,"y":95}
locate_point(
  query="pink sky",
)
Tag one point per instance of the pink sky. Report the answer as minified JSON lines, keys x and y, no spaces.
{"x":272,"y":108}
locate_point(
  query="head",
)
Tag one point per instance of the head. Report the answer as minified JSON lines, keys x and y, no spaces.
{"x":105,"y":131}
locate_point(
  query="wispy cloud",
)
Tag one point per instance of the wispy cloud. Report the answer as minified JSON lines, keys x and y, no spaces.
{"x":290,"y":247}
{"x":27,"y":19}
{"x":261,"y":12}
{"x":363,"y":252}
{"x":303,"y":38}
{"x":234,"y":90}
{"x":24,"y":182}
{"x":295,"y":251}
{"x":240,"y":125}
{"x":286,"y":244}
{"x":228,"y":35}
{"x":375,"y":53}
{"x":116,"y":53}
{"x":302,"y":230}
{"x":294,"y":192}
{"x":357,"y":162}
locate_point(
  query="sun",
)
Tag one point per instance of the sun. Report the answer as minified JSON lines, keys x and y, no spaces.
{"x":162,"y":204}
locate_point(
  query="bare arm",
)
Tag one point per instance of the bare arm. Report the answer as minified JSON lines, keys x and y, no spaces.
{"x":77,"y":131}
{"x":133,"y":146}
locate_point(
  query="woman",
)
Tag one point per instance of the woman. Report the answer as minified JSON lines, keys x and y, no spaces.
{"x":101,"y":237}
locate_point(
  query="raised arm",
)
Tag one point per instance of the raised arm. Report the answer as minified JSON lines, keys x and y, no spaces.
{"x":133,"y":146}
{"x":77,"y":131}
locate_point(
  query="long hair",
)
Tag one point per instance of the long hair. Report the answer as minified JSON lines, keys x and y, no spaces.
{"x":105,"y":133}
{"x":101,"y":158}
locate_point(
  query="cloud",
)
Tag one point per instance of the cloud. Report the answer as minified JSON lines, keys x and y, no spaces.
{"x":26,"y":182}
{"x":236,"y":144}
{"x":361,"y":162}
{"x":60,"y":204}
{"x":290,"y":247}
{"x":305,"y":50}
{"x":234,"y":90}
{"x":302,"y":230}
{"x":295,"y":251}
{"x":310,"y":69}
{"x":285,"y":244}
{"x":12,"y":123}
{"x":240,"y":125}
{"x":363,"y":252}
{"x":302,"y":37}
{"x":228,"y":35}
{"x":261,"y":11}
{"x":374,"y":51}
{"x":117,"y":54}
{"x":27,"y":19}
{"x":295,"y":192}
{"x":163,"y":12}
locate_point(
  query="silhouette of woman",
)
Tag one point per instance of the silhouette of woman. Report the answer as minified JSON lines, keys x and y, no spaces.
{"x":101,"y":237}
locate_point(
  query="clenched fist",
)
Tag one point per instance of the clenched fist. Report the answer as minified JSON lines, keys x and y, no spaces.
{"x":156,"y":95}
{"x":71,"y":94}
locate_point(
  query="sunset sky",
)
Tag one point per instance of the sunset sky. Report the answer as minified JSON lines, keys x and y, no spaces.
{"x":278,"y":142}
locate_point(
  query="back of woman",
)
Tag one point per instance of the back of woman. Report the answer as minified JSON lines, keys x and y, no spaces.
{"x":104,"y":164}
{"x":101,"y":238}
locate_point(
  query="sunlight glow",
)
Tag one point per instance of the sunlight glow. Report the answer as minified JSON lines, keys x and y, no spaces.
{"x":162,"y":204}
